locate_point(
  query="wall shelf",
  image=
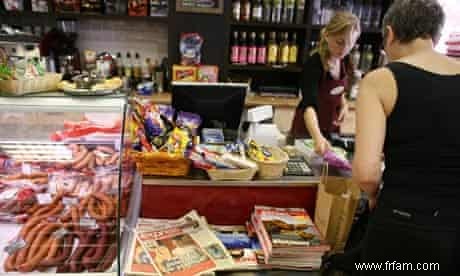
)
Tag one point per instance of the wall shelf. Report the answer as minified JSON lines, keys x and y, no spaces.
{"x":277,"y":26}
{"x":265,"y":68}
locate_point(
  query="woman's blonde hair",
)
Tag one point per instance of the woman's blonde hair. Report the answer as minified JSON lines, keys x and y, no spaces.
{"x":340,"y":23}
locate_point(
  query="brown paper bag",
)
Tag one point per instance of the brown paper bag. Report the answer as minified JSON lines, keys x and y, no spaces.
{"x":336,"y":203}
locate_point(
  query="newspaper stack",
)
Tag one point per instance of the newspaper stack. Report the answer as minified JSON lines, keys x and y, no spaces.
{"x":289,"y":238}
{"x":186,"y":246}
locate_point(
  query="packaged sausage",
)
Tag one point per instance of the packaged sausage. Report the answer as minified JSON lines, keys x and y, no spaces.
{"x":184,"y":73}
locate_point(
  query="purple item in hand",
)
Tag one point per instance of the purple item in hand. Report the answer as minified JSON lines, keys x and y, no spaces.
{"x":336,"y":161}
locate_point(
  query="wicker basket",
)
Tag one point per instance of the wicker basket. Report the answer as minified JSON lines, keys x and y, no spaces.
{"x":232,"y":174}
{"x":48,"y":82}
{"x":273,"y":169}
{"x":161,"y":164}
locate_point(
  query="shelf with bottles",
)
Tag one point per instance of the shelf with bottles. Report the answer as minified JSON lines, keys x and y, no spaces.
{"x":280,"y":52}
{"x":269,"y":25}
{"x":289,"y":68}
{"x":368,"y":11}
{"x":369,"y":30}
{"x":274,"y":12}
{"x":77,"y":16}
{"x":32,"y":39}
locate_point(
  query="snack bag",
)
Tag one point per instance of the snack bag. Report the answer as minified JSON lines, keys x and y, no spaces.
{"x":189,"y":120}
{"x":259,"y":153}
{"x":178,"y":141}
{"x":190,"y":48}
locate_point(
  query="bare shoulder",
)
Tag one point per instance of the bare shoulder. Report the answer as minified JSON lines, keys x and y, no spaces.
{"x":380,"y":83}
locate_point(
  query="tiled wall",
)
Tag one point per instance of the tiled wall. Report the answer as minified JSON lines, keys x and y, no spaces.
{"x":149,"y":39}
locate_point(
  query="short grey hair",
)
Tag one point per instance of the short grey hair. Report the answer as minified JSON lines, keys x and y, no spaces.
{"x":412,"y":19}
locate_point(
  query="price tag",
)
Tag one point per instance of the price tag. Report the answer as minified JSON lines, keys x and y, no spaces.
{"x":88,"y":222}
{"x":70,"y":201}
{"x":14,"y":246}
{"x":60,"y":233}
{"x":44,"y":198}
{"x":26,"y":168}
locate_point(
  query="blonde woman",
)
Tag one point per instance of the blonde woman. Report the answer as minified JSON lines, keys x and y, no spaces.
{"x":323,"y":106}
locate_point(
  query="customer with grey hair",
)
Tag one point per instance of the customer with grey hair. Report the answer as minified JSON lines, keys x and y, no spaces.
{"x":409,"y":110}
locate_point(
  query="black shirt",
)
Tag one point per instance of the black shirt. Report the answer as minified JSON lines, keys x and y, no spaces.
{"x":422,"y":143}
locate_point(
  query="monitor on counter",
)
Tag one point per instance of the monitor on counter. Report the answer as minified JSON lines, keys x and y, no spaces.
{"x":220,"y":105}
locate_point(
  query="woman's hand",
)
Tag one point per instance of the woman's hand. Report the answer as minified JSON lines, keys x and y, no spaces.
{"x":321,"y":145}
{"x":372,"y":203}
{"x":343,"y":113}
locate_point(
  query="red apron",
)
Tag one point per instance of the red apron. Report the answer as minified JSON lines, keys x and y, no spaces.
{"x":329,"y":105}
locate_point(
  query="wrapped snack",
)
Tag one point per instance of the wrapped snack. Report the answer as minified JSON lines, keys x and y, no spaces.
{"x":178,"y":141}
{"x":184,"y":73}
{"x":213,"y":159}
{"x":190,"y":48}
{"x":189,"y":120}
{"x":208,"y":73}
{"x":259,"y":153}
{"x":167,"y":112}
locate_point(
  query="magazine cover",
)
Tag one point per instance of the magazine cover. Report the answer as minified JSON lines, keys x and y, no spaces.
{"x":289,"y":227}
{"x":183,"y":247}
{"x":139,"y":261}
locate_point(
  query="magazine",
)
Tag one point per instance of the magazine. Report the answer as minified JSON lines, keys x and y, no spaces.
{"x":183,"y":247}
{"x":139,"y":261}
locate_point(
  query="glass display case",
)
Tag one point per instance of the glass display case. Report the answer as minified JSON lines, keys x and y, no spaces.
{"x":63,"y":184}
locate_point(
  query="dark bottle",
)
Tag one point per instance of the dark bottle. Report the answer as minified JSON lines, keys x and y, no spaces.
{"x":267,"y":11}
{"x":288,"y":11}
{"x":252,"y":49}
{"x":276,"y":11}
{"x":300,"y":12}
{"x":376,"y":13}
{"x":243,"y":51}
{"x":235,"y":49}
{"x":119,"y":64}
{"x":137,"y":69}
{"x":246,"y":10}
{"x":257,"y":11}
{"x":262,"y":50}
{"x":236,"y":8}
{"x":358,"y":8}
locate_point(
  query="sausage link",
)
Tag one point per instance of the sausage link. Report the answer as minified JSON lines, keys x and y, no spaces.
{"x":63,"y":255}
{"x":34,"y":261}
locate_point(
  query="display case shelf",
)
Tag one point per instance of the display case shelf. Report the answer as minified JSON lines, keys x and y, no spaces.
{"x":266,"y":68}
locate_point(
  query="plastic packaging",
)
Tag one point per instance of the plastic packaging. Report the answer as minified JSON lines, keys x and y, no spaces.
{"x":190,"y":48}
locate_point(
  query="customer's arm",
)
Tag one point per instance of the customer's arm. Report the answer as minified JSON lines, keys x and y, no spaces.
{"x":370,"y":130}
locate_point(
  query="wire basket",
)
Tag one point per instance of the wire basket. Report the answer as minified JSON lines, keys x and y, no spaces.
{"x":47,"y":82}
{"x":273,"y":169}
{"x":161,"y":164}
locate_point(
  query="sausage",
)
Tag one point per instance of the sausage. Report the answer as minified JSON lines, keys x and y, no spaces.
{"x":105,"y":149}
{"x":81,"y":155}
{"x":113,"y":160}
{"x":37,"y":175}
{"x":107,"y":262}
{"x":92,"y":161}
{"x":83,"y":205}
{"x":83,"y":163}
{"x":63,"y":268}
{"x":33,"y":209}
{"x":93,"y":210}
{"x":74,"y":262}
{"x":99,"y":161}
{"x":33,"y":261}
{"x":108,"y":203}
{"x":41,"y":239}
{"x":50,"y":210}
{"x":75,"y":218}
{"x":40,"y":181}
{"x":64,"y":254}
{"x":30,"y":236}
{"x":100,"y":248}
{"x":10,"y":262}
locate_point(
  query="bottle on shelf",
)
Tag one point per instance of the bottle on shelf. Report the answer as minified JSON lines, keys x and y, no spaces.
{"x":257,"y":11}
{"x":272,"y":49}
{"x":300,"y":12}
{"x":366,"y":16}
{"x":267,"y":11}
{"x":243,"y":49}
{"x":252,"y":49}
{"x":326,"y":11}
{"x":146,"y":76}
{"x":288,"y":11}
{"x":159,"y":77}
{"x":284,"y":49}
{"x":276,"y":11}
{"x":128,"y":66}
{"x":137,"y":69}
{"x":376,"y":13}
{"x":358,"y":8}
{"x":293,"y":49}
{"x":316,"y":16}
{"x":236,"y":10}
{"x":366,"y":59}
{"x":355,"y":57}
{"x":262,"y":50}
{"x":119,"y":65}
{"x":245,"y":10}
{"x":235,"y":49}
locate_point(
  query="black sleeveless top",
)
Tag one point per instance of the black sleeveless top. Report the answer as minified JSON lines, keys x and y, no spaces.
{"x":422,"y":144}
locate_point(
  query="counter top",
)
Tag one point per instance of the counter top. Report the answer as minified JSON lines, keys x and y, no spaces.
{"x":251,"y":100}
{"x":287,"y":181}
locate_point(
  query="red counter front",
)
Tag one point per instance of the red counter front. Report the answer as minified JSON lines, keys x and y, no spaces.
{"x":223,"y":203}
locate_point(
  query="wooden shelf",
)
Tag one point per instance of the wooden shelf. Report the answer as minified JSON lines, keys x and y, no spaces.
{"x":77,"y":16}
{"x":364,"y":31}
{"x":20,"y":38}
{"x":269,"y":25}
{"x":266,"y":68}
